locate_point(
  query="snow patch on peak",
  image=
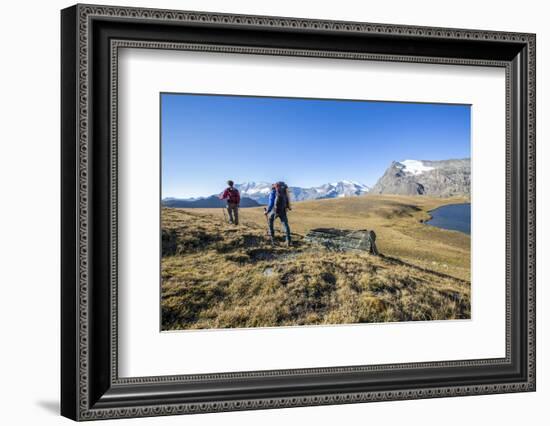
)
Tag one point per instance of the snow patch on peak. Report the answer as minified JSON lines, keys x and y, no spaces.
{"x":251,"y":187}
{"x":414,"y":167}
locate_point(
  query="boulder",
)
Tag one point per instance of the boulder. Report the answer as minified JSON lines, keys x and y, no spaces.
{"x":344,"y":240}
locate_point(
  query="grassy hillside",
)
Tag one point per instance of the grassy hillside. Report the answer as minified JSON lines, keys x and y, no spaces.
{"x":216,"y":275}
{"x":396,"y":219}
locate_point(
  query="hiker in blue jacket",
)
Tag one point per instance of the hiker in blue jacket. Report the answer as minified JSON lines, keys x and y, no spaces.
{"x":278,"y":204}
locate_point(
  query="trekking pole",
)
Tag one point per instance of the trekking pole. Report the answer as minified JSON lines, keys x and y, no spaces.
{"x":224,"y":215}
{"x":266,"y":222}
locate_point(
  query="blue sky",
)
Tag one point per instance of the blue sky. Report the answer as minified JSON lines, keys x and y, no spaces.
{"x":207,"y":139}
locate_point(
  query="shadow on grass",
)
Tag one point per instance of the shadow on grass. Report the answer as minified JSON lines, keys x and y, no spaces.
{"x":396,"y":261}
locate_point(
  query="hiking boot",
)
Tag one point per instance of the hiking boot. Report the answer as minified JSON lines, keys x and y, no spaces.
{"x":288,"y":243}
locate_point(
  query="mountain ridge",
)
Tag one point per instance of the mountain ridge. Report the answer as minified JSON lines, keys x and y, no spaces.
{"x":254,"y":194}
{"x":259,"y":191}
{"x":442,"y":178}
{"x":205,"y":202}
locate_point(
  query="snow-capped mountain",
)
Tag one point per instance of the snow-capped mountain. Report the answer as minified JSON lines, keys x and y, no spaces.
{"x":414,"y":167}
{"x":256,"y":191}
{"x":424,"y":177}
{"x":260,"y":191}
{"x":347,"y":188}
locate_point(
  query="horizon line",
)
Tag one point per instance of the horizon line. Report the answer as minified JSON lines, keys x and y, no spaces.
{"x":369,"y":186}
{"x":264,"y":182}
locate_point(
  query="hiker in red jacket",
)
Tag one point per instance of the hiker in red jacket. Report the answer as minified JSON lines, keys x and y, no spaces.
{"x":233,"y":198}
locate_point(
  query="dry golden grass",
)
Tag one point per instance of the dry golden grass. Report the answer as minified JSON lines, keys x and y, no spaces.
{"x":215,"y":275}
{"x":396,"y":219}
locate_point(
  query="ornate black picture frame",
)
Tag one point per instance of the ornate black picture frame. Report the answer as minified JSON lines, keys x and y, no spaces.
{"x":91,"y":37}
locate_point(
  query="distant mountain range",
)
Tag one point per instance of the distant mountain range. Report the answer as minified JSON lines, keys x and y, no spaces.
{"x":443,"y":178}
{"x":409,"y":177}
{"x":255,"y":194}
{"x":260,"y":191}
{"x":204,"y":203}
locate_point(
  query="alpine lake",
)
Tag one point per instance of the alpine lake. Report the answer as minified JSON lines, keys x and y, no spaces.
{"x":454,"y":217}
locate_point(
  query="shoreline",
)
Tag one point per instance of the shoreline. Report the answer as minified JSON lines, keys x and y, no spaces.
{"x":431,"y":217}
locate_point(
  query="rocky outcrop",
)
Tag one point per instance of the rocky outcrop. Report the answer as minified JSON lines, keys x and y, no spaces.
{"x":344,"y":240}
{"x":422,"y":177}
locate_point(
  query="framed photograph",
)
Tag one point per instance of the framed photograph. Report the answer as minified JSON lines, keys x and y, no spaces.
{"x":263,"y":212}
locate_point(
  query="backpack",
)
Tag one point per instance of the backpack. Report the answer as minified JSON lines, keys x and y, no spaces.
{"x":281,"y":198}
{"x":234,"y":197}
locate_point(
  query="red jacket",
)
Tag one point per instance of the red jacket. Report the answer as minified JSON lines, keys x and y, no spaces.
{"x":231,"y":195}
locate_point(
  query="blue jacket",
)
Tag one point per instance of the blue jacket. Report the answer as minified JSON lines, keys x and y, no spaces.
{"x":271,"y":201}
